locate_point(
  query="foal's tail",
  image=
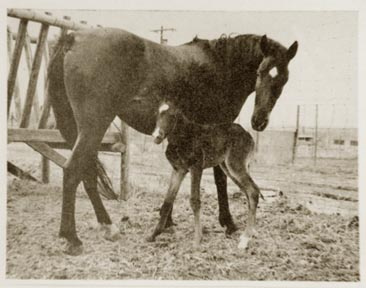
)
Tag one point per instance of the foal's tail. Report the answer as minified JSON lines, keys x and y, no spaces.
{"x":62,"y":110}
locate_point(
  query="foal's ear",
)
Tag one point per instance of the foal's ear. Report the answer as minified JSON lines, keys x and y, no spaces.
{"x":264,"y":45}
{"x":291,"y":52}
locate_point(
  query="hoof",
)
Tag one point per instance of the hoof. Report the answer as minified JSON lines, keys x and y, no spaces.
{"x":197,"y":245}
{"x":169,"y":223}
{"x":230,"y":229}
{"x":228,"y":223}
{"x":243,"y":243}
{"x":197,"y":239}
{"x":73,"y":249}
{"x":169,"y":230}
{"x":150,"y":239}
{"x":111,"y":232}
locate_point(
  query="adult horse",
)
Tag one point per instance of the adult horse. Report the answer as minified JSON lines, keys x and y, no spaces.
{"x":98,"y":74}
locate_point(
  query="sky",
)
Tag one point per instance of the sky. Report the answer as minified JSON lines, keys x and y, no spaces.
{"x":324,"y":71}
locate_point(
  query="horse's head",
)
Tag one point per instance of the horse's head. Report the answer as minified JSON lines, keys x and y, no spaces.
{"x":165,"y":121}
{"x":272,"y":75}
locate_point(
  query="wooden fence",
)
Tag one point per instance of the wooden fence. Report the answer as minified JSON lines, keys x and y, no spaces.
{"x":43,"y":140}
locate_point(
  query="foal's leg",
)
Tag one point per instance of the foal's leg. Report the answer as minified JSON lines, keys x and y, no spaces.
{"x":175,"y":182}
{"x":90,"y":184}
{"x":195,"y":202}
{"x":235,"y":166}
{"x":169,"y":220}
{"x":225,"y":217}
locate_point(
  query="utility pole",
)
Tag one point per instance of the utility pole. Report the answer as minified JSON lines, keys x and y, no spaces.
{"x":161,"y":31}
{"x":316,"y":134}
{"x":296,"y":134}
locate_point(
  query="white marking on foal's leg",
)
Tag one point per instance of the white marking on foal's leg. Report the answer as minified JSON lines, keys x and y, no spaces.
{"x":244,"y":240}
{"x":246,"y":237}
{"x":163,"y":107}
{"x":112,"y":232}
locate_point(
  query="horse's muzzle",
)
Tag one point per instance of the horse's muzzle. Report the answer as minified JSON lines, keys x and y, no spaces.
{"x":259,"y":123}
{"x":158,"y":140}
{"x":158,"y":135}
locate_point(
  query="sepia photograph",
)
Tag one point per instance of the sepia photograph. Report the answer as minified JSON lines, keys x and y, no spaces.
{"x":182,"y":144}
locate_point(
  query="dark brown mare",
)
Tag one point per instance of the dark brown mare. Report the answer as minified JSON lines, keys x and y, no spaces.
{"x":98,"y":74}
{"x":194,"y":147}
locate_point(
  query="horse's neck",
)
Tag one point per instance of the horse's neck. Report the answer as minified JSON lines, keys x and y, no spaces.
{"x":241,"y":60}
{"x":236,"y":62}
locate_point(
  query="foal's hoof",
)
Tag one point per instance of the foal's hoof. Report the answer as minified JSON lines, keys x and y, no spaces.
{"x":243,"y":243}
{"x":112,"y":232}
{"x":151,"y":238}
{"x":196,"y":245}
{"x":169,"y":223}
{"x":73,"y":249}
{"x":170,"y":230}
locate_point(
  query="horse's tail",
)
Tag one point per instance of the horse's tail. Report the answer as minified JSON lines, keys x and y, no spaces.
{"x":64,"y":116}
{"x":62,"y":110}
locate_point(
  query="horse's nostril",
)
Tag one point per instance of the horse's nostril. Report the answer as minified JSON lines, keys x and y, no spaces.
{"x":259,"y":124}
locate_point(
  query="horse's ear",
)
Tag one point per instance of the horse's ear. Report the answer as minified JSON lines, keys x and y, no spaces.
{"x":264,"y":45}
{"x":291,"y":52}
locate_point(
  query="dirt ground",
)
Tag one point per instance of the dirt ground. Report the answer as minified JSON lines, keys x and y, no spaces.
{"x":307,"y":226}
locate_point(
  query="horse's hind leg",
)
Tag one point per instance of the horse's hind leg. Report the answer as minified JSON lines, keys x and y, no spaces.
{"x":88,"y":140}
{"x":90,"y":185}
{"x":225,"y":218}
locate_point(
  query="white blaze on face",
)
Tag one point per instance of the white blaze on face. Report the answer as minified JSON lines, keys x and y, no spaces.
{"x":273,"y":72}
{"x":163,"y":108}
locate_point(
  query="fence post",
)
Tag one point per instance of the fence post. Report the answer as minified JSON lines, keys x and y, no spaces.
{"x":124,"y":163}
{"x":316,"y":134}
{"x":42,"y":123}
{"x":296,"y":135}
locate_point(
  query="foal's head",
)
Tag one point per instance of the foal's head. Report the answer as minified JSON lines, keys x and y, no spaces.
{"x":166,"y":121}
{"x":272,"y":75}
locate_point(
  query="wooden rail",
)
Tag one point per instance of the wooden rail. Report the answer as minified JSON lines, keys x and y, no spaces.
{"x":53,"y":137}
{"x":32,"y":15}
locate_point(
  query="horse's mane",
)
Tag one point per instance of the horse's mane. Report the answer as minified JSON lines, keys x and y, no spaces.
{"x":228,"y":49}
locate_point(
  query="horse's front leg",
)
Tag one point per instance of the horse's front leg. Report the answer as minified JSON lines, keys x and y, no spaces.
{"x":175,"y":182}
{"x":195,"y":201}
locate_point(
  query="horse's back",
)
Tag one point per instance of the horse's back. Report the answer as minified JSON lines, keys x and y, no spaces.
{"x":104,"y":61}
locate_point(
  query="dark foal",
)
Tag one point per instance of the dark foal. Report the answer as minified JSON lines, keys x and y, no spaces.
{"x":193,"y":147}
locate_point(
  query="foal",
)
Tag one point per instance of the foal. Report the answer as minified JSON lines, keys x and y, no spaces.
{"x":194,"y":147}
